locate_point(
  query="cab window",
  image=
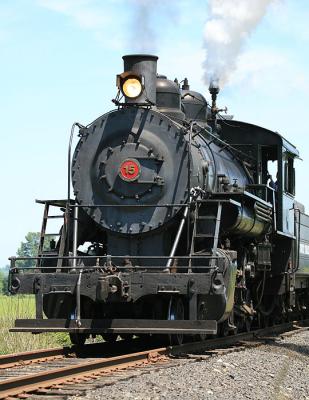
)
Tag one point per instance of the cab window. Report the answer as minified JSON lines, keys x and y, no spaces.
{"x":289,"y":176}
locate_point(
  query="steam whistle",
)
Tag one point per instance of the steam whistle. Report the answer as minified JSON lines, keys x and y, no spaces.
{"x":214,"y":90}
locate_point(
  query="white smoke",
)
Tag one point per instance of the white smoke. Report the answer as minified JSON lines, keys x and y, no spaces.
{"x":147,"y":17}
{"x":229,"y":24}
{"x":143,"y":34}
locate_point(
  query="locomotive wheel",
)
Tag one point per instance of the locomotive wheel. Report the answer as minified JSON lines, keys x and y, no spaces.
{"x":240,"y":323}
{"x":201,"y":315}
{"x":78,"y":339}
{"x":109,"y":337}
{"x":264,"y":321}
{"x":248,"y":324}
{"x":223,"y":329}
{"x":175,"y":311}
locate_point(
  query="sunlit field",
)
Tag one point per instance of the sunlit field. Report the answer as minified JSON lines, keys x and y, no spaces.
{"x":12,"y":307}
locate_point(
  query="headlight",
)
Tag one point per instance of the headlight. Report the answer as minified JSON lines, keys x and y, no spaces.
{"x":131,"y":87}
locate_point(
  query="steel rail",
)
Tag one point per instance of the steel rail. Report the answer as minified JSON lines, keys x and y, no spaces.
{"x":73,"y":351}
{"x":32,"y":382}
{"x":11,"y":360}
{"x":258,"y":334}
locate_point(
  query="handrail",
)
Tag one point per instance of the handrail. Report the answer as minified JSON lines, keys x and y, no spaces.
{"x":119,"y":205}
{"x":80,"y":126}
{"x":108,"y":258}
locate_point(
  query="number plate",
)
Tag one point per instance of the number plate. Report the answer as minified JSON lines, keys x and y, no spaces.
{"x":129,"y":170}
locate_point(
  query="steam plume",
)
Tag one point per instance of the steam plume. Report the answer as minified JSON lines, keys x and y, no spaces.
{"x":147,"y":16}
{"x":142,"y":28}
{"x":229,"y":25}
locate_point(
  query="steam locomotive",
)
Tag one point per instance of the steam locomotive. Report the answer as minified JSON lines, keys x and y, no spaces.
{"x":175,"y":227}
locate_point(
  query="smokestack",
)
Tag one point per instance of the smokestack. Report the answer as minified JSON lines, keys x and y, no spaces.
{"x":146,"y":66}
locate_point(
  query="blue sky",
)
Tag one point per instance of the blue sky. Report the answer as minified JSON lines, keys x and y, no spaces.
{"x":58,"y":65}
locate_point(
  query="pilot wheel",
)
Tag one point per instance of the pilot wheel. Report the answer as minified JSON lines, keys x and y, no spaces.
{"x":175,"y":312}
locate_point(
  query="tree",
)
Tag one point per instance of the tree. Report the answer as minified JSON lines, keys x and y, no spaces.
{"x":4,"y":280}
{"x":30,"y":248}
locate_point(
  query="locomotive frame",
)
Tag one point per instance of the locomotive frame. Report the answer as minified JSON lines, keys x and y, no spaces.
{"x":238,"y":254}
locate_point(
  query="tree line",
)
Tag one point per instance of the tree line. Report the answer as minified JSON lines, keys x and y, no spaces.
{"x":28,"y":248}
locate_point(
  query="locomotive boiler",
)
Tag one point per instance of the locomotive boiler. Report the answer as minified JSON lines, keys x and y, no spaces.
{"x":174,"y":228}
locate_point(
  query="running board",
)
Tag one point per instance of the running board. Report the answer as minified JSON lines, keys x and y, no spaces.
{"x":134,"y":326}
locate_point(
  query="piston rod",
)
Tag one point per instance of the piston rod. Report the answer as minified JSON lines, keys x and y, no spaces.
{"x":179,"y":232}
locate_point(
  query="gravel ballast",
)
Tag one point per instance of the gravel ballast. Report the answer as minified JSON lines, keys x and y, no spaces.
{"x":276,"y":371}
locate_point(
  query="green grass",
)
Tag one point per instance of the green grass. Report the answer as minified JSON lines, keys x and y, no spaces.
{"x":23,"y":306}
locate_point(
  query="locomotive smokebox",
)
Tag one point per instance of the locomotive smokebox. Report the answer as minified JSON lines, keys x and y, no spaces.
{"x":144,"y":66}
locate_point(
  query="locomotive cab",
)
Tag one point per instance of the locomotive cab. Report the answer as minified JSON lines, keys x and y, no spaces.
{"x":263,"y":146}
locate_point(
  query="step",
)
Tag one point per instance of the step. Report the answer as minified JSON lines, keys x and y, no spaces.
{"x":205,"y":235}
{"x":209,"y":217}
{"x":210,"y":201}
{"x":206,"y":253}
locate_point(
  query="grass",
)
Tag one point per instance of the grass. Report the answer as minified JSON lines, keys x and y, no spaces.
{"x":23,"y":306}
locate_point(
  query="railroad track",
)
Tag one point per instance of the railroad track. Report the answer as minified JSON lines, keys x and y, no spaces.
{"x":258,"y":336}
{"x":28,"y":357}
{"x":88,"y":350}
{"x":75,"y":373}
{"x":63,"y":374}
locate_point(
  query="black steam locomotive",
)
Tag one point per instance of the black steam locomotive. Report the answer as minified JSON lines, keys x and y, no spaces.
{"x":186,"y":233}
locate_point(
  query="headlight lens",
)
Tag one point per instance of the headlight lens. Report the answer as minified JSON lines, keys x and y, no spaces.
{"x":132,"y":88}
